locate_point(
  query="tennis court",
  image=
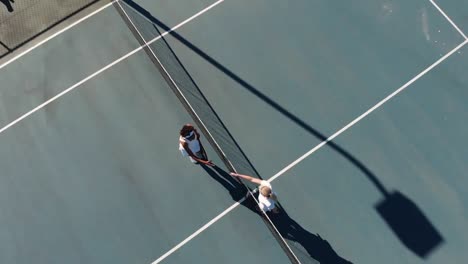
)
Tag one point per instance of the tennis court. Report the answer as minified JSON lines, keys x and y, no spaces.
{"x":354,"y":112}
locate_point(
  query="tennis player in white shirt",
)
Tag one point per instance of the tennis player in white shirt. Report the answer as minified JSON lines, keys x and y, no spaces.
{"x":266,"y":198}
{"x":191,"y":146}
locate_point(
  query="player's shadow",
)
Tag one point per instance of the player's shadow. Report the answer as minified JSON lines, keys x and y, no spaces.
{"x":303,"y":243}
{"x":236,"y":189}
{"x":8,"y":5}
{"x":402,"y":215}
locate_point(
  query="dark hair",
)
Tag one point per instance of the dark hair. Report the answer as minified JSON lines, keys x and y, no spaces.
{"x":186,"y":129}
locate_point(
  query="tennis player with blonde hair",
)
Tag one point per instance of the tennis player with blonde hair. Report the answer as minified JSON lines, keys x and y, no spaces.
{"x":266,"y":198}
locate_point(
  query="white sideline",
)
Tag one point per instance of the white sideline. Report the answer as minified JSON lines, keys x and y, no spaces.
{"x":390,"y":96}
{"x":448,"y":18}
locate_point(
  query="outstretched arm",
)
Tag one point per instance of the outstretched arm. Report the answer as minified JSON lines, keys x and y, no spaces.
{"x":247,"y":177}
{"x":189,"y":151}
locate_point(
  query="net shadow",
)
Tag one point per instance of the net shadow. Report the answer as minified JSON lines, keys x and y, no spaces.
{"x":403,"y":216}
{"x":308,"y":247}
{"x":236,"y":190}
{"x":195,"y":103}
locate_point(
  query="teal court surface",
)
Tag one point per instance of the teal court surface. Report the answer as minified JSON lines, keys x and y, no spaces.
{"x":355,"y":112}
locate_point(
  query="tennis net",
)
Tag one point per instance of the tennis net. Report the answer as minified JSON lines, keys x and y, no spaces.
{"x":179,"y":80}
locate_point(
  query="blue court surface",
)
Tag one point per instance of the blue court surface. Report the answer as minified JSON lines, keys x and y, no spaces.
{"x":355,"y":112}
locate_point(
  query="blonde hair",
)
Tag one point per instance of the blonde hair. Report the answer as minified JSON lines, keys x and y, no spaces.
{"x":265,"y":191}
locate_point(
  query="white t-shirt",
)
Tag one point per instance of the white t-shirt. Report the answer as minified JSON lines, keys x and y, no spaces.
{"x":193,"y":145}
{"x":265,"y":203}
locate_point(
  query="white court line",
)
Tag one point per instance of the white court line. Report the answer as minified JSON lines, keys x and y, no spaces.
{"x":379,"y":104}
{"x":323,"y":143}
{"x":196,"y":233}
{"x":14,"y":122}
{"x":56,"y":34}
{"x":448,"y":18}
{"x":204,"y":227}
{"x":215,"y":142}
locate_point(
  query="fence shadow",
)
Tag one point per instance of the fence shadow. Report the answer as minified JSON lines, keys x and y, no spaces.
{"x":403,"y":216}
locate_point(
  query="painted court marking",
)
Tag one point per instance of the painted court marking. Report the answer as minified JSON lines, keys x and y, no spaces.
{"x":359,"y":118}
{"x":281,"y":172}
{"x":215,"y":142}
{"x":56,"y":34}
{"x":323,"y":143}
{"x":448,"y":18}
{"x":196,"y":233}
{"x":69,"y":89}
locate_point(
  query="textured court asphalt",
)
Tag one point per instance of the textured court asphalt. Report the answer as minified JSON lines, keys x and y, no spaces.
{"x":96,"y":176}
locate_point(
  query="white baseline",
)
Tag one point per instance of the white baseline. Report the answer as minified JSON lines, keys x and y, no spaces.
{"x":448,"y":18}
